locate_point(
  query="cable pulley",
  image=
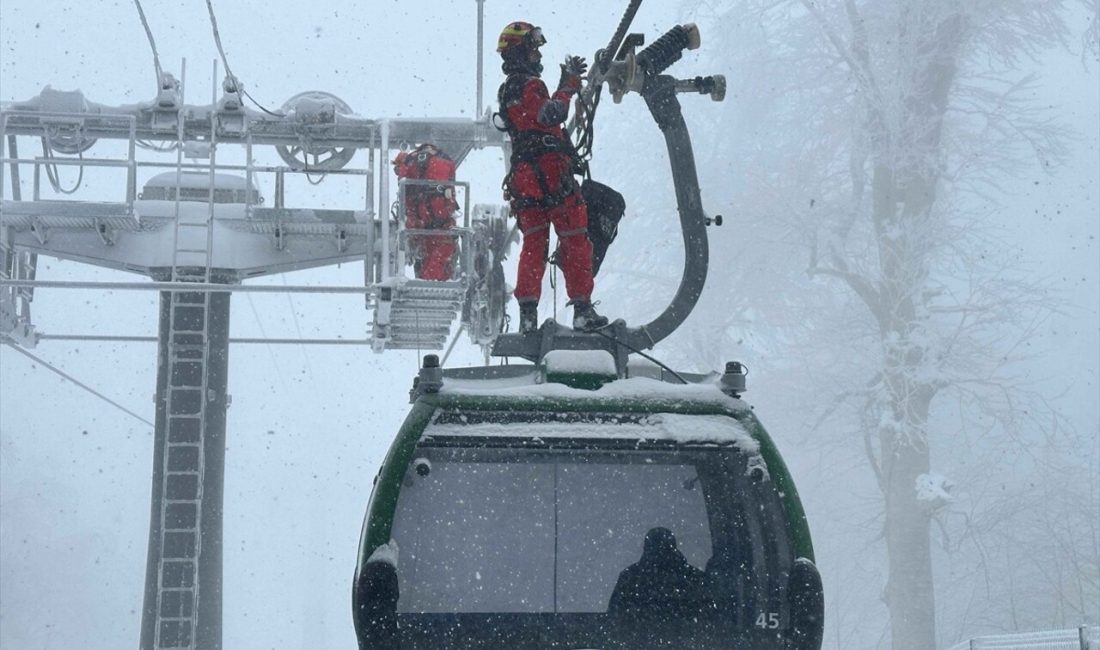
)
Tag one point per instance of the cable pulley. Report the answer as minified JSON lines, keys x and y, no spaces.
{"x":315,"y":112}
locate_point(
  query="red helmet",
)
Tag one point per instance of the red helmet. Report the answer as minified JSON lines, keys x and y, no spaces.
{"x":520,"y":34}
{"x":402,"y":156}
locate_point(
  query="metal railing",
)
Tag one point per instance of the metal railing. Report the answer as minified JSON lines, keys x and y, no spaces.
{"x":74,"y":121}
{"x":132,"y":165}
{"x":462,"y":233}
{"x":1085,"y":637}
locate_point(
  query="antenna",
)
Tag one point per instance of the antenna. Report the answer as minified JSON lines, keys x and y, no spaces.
{"x":480,"y":56}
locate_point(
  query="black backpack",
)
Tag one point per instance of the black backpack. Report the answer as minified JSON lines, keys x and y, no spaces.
{"x":605,"y":209}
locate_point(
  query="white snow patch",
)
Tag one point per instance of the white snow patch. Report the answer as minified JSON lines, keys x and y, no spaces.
{"x":638,"y":388}
{"x":592,"y":362}
{"x":197,"y":181}
{"x":393,"y":281}
{"x":189,"y":211}
{"x":718,"y":429}
{"x":934,"y":490}
{"x":386,"y":554}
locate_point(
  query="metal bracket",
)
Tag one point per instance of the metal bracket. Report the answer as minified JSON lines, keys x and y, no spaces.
{"x":382,"y":308}
{"x":106,"y":234}
{"x":280,"y":237}
{"x":341,"y":240}
{"x":15,"y":328}
{"x":231,"y":123}
{"x":40,"y":231}
{"x":165,"y":120}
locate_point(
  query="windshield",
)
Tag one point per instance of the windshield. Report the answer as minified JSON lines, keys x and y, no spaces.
{"x":507,"y":531}
{"x":590,"y":525}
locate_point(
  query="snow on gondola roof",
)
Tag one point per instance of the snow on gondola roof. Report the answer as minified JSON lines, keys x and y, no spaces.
{"x":677,"y":427}
{"x":530,"y":385}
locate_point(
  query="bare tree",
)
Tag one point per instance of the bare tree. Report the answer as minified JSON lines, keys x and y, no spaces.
{"x":886,"y":134}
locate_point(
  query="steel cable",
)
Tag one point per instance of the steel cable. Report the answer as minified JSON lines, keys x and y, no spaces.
{"x":81,"y":385}
{"x":152,"y":42}
{"x":54,"y":176}
{"x":637,"y":351}
{"x":225,"y":61}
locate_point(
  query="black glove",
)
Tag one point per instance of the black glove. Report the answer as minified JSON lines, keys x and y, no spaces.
{"x":571,"y":72}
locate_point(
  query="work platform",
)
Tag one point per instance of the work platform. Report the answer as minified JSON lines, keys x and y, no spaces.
{"x":203,"y":214}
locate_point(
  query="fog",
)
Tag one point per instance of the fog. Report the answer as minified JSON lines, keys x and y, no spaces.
{"x":1014,"y":424}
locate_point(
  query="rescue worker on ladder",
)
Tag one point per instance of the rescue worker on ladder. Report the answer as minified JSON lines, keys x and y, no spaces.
{"x":429,"y":207}
{"x":540,"y":182}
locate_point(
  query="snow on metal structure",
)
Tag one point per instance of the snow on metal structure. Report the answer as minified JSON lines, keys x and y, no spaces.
{"x":1085,"y":637}
{"x":149,"y":232}
{"x":198,"y":229}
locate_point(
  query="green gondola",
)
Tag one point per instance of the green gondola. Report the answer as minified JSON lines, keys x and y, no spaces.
{"x":512,"y":503}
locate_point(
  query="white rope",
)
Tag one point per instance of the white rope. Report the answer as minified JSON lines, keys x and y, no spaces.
{"x":78,"y":383}
{"x":447,"y":354}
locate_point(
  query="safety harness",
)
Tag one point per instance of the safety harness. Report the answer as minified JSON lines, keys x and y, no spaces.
{"x":530,"y":145}
{"x":419,"y":195}
{"x":606,"y":207}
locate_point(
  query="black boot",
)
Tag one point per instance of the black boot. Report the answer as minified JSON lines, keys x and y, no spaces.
{"x":585,"y":317}
{"x":528,"y":317}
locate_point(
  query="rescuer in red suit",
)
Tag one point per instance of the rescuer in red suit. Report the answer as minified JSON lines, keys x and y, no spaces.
{"x":429,"y":207}
{"x":540,"y":182}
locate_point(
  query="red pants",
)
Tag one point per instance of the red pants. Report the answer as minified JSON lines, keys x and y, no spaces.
{"x":570,"y":221}
{"x":432,"y":256}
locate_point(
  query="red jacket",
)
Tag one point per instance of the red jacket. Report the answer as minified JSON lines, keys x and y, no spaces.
{"x":523,"y":100}
{"x":542,"y":154}
{"x":428,"y":206}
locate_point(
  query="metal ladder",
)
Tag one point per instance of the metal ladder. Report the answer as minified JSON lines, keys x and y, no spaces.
{"x":185,"y":412}
{"x":15,"y":302}
{"x":416,"y":314}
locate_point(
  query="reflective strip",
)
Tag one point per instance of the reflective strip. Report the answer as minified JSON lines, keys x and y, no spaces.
{"x":544,"y":226}
{"x":571,"y":233}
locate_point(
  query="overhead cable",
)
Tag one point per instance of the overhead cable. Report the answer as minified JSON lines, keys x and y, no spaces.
{"x":81,"y":385}
{"x":270,"y":350}
{"x":152,"y":43}
{"x":297,"y":327}
{"x":225,"y":61}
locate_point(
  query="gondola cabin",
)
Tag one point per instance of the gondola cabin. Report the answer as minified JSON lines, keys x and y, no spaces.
{"x":558,"y":506}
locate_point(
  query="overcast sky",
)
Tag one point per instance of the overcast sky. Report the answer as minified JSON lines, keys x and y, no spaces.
{"x":308,"y":426}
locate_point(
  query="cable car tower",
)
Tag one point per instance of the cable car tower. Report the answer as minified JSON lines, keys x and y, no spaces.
{"x":199,"y":228}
